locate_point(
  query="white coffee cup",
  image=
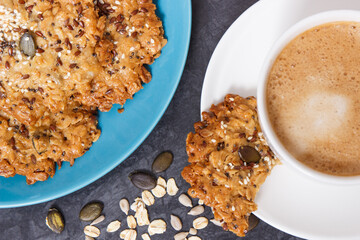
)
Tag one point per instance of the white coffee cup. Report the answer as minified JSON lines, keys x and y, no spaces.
{"x":272,"y":139}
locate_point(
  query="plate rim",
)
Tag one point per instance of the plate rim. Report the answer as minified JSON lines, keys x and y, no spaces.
{"x":142,"y":137}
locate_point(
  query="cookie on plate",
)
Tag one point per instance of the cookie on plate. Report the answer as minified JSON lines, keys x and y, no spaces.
{"x":229,"y":160}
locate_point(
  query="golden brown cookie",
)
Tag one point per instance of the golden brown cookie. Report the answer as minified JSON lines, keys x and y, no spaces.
{"x":221,"y":171}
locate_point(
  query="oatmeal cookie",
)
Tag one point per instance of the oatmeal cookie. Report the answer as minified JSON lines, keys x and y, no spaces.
{"x":33,"y":150}
{"x":219,"y":172}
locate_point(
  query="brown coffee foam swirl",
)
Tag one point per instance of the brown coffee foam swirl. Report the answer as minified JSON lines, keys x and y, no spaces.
{"x":313,"y":98}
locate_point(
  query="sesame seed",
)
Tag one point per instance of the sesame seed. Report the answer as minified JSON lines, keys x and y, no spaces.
{"x":213,"y":140}
{"x":233,"y":208}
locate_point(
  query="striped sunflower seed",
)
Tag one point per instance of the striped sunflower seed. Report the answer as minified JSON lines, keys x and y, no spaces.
{"x":200,"y":223}
{"x":113,"y":226}
{"x":196,"y":210}
{"x":185,"y":200}
{"x":148,"y":198}
{"x":92,"y":231}
{"x":171,"y":187}
{"x":175,"y":222}
{"x":124,"y":206}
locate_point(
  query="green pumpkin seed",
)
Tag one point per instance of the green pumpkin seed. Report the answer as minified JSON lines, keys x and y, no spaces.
{"x":249,"y":154}
{"x":162,"y":162}
{"x":27,"y":45}
{"x":55,"y":220}
{"x":253,"y":222}
{"x":91,"y":211}
{"x":143,"y":180}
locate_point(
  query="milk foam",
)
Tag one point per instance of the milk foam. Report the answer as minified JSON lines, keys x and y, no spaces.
{"x":313,"y":100}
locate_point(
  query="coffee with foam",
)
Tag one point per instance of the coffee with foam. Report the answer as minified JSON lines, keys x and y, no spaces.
{"x":313,"y":98}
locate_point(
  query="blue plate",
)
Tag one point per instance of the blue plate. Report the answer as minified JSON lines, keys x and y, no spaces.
{"x":121,"y":133}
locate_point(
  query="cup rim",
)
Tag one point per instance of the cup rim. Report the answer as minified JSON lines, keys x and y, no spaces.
{"x":269,"y":134}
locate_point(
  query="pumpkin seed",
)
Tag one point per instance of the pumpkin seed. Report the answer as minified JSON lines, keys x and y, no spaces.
{"x":162,"y":162}
{"x":124,"y":205}
{"x":92,"y":231}
{"x":196,"y":210}
{"x":200,"y":223}
{"x":113,"y":226}
{"x":27,"y":45}
{"x":181,"y":236}
{"x":55,"y":220}
{"x":175,"y":222}
{"x":249,"y":154}
{"x":143,"y":180}
{"x":185,"y":200}
{"x":171,"y":187}
{"x":91,"y":211}
{"x":253,"y":222}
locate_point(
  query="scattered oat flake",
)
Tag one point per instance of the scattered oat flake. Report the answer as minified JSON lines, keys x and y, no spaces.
{"x":123,"y":233}
{"x":192,"y":231}
{"x":194,"y":238}
{"x":175,"y":222}
{"x":131,"y":235}
{"x":157,"y":226}
{"x":142,"y":217}
{"x":131,"y":222}
{"x":89,"y":238}
{"x":98,"y":220}
{"x":124,"y":205}
{"x":159,"y":191}
{"x":200,"y":223}
{"x":161,"y":181}
{"x":147,"y":198}
{"x":171,"y":187}
{"x":137,"y":205}
{"x":91,"y":231}
{"x":113,"y":226}
{"x":181,"y":235}
{"x":185,"y":200}
{"x":145,"y":236}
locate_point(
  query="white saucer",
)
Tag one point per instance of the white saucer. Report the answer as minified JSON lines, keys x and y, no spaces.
{"x":288,"y":200}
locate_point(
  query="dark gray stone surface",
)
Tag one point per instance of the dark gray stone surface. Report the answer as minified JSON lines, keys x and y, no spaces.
{"x":211,"y":18}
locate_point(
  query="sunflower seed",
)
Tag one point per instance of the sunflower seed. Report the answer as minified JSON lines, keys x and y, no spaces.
{"x":171,"y":188}
{"x":161,"y":181}
{"x":180,"y":236}
{"x":145,"y":236}
{"x":142,"y":217}
{"x":194,"y":238}
{"x":113,"y":226}
{"x":216,"y":222}
{"x":55,"y":221}
{"x":253,"y":222}
{"x":123,"y":233}
{"x":200,"y":223}
{"x":157,"y":226}
{"x":185,"y":200}
{"x":162,"y":162}
{"x":131,"y":222}
{"x":193,"y":231}
{"x":131,"y":235}
{"x":124,"y":206}
{"x":196,"y":210}
{"x":175,"y":222}
{"x":91,"y":231}
{"x":148,"y":198}
{"x":91,"y":211}
{"x":159,"y":191}
{"x":98,"y":220}
{"x":143,"y":180}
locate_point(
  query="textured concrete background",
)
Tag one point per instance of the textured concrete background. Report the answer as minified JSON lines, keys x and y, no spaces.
{"x":211,"y":18}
